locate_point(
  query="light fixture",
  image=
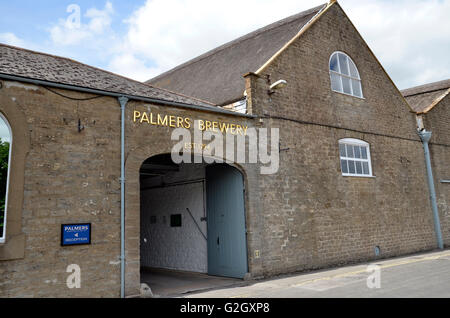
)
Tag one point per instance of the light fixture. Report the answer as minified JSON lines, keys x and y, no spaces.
{"x":276,"y":86}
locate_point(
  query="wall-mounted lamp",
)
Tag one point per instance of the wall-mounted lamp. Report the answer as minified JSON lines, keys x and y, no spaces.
{"x":277,"y":86}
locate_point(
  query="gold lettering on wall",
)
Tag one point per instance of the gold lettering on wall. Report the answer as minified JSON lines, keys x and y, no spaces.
{"x":185,"y":122}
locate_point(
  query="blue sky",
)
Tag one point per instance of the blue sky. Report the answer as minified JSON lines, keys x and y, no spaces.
{"x":142,"y":38}
{"x":31,"y":22}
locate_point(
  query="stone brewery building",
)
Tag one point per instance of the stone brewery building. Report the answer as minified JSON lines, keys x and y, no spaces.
{"x":90,"y":163}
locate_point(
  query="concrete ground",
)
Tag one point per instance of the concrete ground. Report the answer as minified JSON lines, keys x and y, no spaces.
{"x":417,"y":276}
{"x":168,"y":283}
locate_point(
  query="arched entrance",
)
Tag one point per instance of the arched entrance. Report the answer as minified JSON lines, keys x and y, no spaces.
{"x":192,"y":218}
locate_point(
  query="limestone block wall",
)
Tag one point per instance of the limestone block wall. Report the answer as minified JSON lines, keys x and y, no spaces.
{"x":313,"y":216}
{"x":438,"y":122}
{"x":69,"y":176}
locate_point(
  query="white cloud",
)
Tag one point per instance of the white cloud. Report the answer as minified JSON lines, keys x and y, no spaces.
{"x":170,"y":32}
{"x":128,"y":65}
{"x":11,"y":39}
{"x":410,"y":38}
{"x":72,"y":31}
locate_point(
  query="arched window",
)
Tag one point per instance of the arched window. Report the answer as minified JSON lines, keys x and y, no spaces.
{"x":355,"y":158}
{"x":5,"y":158}
{"x":344,"y":75}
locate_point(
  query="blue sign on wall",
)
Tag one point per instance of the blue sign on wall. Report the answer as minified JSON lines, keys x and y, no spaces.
{"x":75,"y":234}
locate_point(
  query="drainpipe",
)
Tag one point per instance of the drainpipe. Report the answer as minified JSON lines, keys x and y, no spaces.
{"x":123,"y":102}
{"x":425,"y":137}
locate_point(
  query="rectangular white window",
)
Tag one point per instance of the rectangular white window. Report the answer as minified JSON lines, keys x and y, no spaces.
{"x":355,"y":158}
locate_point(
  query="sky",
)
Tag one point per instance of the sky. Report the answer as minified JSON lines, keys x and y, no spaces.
{"x":143,"y":38}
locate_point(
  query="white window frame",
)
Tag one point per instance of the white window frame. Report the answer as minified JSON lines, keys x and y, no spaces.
{"x":340,"y":75}
{"x":355,"y":142}
{"x":3,"y":237}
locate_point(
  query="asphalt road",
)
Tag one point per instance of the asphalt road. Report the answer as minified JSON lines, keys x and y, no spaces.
{"x":418,"y":276}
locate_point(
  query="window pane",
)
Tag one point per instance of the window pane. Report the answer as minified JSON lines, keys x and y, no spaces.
{"x":346,"y":83}
{"x":356,"y":85}
{"x":364,"y":152}
{"x":351,"y":166}
{"x":344,"y":167}
{"x":343,"y":63}
{"x":353,"y":71}
{"x":358,"y":167}
{"x":366,"y":168}
{"x":336,"y":82}
{"x":342,"y":150}
{"x":334,"y":63}
{"x":350,"y":151}
{"x":5,"y":140}
{"x":357,"y":152}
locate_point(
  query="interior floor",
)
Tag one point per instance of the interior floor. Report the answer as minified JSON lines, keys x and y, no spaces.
{"x":169,"y":283}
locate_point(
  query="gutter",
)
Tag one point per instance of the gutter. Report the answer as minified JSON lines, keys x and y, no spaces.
{"x":425,"y":136}
{"x":37,"y":82}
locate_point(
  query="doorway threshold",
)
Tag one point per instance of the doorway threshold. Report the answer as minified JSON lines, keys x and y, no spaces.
{"x":167,"y":283}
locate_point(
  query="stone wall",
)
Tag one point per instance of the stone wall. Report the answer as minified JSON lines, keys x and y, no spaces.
{"x":438,"y":122}
{"x":146,"y":140}
{"x":313,"y":216}
{"x":305,"y":216}
{"x":70,"y":176}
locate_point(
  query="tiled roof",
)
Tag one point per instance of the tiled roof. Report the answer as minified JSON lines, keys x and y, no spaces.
{"x":217,"y":76}
{"x":35,"y":65}
{"x":423,"y":98}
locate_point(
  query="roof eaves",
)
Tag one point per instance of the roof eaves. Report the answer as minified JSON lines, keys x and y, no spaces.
{"x":179,"y":94}
{"x":69,"y":60}
{"x":300,"y":33}
{"x":435,"y":102}
{"x":426,"y":88}
{"x":41,"y":82}
{"x":228,"y":45}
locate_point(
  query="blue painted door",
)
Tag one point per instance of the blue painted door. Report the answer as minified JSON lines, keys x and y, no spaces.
{"x":227,"y":244}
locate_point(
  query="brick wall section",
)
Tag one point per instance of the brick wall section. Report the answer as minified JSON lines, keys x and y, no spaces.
{"x":73,"y":177}
{"x":313,"y":216}
{"x":438,"y":122}
{"x":70,"y":177}
{"x":306,"y":216}
{"x":145,"y":141}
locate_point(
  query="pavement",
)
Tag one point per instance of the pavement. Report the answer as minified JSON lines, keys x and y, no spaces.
{"x":423,"y":275}
{"x":170,"y":283}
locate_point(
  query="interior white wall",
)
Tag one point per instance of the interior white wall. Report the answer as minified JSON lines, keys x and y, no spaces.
{"x":179,"y":248}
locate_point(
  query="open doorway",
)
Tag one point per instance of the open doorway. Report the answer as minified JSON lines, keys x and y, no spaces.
{"x":192,"y":225}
